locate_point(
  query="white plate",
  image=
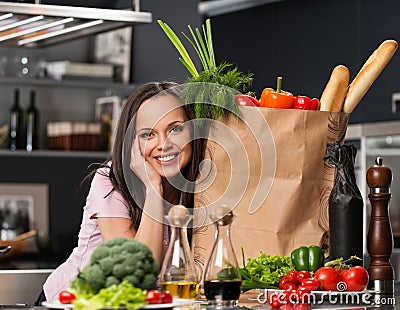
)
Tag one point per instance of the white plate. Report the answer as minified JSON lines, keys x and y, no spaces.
{"x":176,"y":303}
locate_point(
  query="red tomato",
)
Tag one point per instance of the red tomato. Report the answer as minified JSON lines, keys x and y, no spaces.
{"x":301,"y":275}
{"x":288,"y":306}
{"x":290,"y":296}
{"x":153,"y":297}
{"x":329,"y":278}
{"x":288,"y":286}
{"x":292,"y":275}
{"x":315,"y":104}
{"x":303,"y":295}
{"x":166,"y":297}
{"x":246,"y":100}
{"x":311,"y":284}
{"x":275,"y":300}
{"x":66,"y":297}
{"x":356,"y":278}
{"x":284,"y":281}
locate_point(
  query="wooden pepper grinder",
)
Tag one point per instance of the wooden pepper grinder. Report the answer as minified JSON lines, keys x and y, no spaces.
{"x":380,"y":236}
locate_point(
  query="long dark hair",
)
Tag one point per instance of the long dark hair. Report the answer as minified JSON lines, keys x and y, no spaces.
{"x":116,"y":174}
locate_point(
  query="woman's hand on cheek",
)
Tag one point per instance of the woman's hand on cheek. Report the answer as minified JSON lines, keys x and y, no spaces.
{"x":143,"y":169}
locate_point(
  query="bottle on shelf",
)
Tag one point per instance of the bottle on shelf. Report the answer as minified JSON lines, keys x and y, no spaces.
{"x":17,"y":135}
{"x":32,"y":124}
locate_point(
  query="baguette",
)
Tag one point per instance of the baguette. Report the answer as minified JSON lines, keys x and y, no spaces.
{"x":335,"y":91}
{"x":368,"y":74}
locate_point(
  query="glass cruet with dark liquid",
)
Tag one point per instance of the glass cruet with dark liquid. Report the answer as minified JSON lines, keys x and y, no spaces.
{"x":222,"y":279}
{"x":179,"y":274}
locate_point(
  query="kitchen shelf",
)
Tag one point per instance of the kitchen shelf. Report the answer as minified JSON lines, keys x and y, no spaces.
{"x":50,"y":153}
{"x":383,"y":152}
{"x":67,"y":83}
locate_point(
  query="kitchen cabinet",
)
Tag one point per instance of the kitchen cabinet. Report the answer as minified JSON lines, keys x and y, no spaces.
{"x":372,"y":140}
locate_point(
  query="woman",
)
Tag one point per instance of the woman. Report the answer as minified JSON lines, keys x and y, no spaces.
{"x":162,"y":150}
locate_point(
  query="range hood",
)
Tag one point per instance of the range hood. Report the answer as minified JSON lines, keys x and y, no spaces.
{"x":36,"y":25}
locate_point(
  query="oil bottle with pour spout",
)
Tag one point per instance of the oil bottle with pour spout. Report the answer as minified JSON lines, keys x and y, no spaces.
{"x":222,"y":279}
{"x":179,"y":274}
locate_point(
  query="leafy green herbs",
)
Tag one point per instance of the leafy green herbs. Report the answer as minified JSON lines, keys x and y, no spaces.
{"x":122,"y":295}
{"x":264,"y":271}
{"x":210,"y":101}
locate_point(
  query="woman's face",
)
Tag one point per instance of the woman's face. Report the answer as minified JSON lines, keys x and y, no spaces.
{"x":164,"y":136}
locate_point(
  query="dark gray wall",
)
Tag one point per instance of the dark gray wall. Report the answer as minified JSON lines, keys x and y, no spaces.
{"x":154,"y":57}
{"x":302,"y":40}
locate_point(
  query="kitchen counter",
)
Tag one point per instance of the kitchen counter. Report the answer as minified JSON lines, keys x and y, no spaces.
{"x":333,"y":301}
{"x":21,"y":286}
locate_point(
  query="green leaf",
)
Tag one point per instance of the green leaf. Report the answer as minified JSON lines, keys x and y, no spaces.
{"x":179,"y":46}
{"x":210,"y":47}
{"x":197,"y":48}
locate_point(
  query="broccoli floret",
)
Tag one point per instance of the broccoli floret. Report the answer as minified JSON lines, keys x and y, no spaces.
{"x":100,"y":253}
{"x":120,"y":259}
{"x":107,"y":264}
{"x":94,"y":276}
{"x":139,"y":273}
{"x":111,"y":280}
{"x":149,"y":281}
{"x":119,"y":271}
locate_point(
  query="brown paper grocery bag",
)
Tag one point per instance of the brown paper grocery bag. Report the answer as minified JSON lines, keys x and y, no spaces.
{"x":268,"y":168}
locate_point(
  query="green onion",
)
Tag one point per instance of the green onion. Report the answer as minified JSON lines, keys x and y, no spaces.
{"x":209,"y":102}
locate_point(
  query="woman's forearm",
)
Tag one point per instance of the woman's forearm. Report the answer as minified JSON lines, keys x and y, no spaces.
{"x":151,"y":229}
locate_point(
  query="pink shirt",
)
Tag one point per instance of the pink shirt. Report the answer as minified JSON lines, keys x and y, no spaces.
{"x":114,"y":205}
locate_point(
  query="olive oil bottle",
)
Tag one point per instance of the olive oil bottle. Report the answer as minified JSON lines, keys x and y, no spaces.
{"x":178,"y":273}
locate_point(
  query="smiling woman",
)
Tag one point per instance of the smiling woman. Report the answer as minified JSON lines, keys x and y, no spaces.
{"x":163,"y":135}
{"x":155,"y":145}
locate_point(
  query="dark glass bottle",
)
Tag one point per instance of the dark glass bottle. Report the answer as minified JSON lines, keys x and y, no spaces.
{"x":32,"y":124}
{"x":17,"y":136}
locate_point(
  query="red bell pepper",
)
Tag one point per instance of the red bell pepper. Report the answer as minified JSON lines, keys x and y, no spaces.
{"x":305,"y":103}
{"x":276,"y":99}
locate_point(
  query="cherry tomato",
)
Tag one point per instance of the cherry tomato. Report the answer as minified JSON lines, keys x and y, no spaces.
{"x":288,"y":286}
{"x":356,"y":278}
{"x":66,"y":297}
{"x":290,"y":296}
{"x":315,"y":104}
{"x":302,"y":295}
{"x":153,"y":297}
{"x":166,"y":297}
{"x":301,"y":275}
{"x":284,"y":281}
{"x":246,"y":100}
{"x":275,"y":300}
{"x":311,"y":284}
{"x":292,"y":275}
{"x":329,"y":278}
{"x":288,"y":306}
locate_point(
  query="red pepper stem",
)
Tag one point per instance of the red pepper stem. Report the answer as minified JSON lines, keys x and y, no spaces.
{"x":278,"y":84}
